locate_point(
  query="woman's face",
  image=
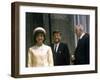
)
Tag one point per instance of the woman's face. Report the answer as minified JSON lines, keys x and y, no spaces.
{"x":40,"y":38}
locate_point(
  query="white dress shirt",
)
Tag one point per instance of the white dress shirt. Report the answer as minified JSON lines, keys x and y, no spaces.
{"x":56,"y":46}
{"x":82,"y":35}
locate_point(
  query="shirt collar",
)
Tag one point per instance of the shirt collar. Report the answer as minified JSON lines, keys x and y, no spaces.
{"x":82,"y":35}
{"x":57,"y":43}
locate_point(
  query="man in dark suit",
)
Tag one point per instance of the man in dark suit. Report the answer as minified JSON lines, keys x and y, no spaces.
{"x":60,"y":50}
{"x":82,"y":49}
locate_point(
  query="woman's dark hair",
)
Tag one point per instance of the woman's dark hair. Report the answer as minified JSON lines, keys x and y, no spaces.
{"x":35,"y":35}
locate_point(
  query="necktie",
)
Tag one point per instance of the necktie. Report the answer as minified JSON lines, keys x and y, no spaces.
{"x":55,"y":47}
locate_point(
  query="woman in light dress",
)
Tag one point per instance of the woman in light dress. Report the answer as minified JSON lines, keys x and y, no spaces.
{"x":39,"y":54}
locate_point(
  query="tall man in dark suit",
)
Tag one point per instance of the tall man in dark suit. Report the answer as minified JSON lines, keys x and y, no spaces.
{"x":60,"y":50}
{"x":82,"y":49}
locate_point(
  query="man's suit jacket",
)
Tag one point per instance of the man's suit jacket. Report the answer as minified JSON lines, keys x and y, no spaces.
{"x":82,"y":50}
{"x":61,"y":57}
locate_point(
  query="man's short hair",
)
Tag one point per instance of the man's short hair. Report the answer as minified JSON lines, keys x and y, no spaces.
{"x":57,"y":32}
{"x":80,"y":27}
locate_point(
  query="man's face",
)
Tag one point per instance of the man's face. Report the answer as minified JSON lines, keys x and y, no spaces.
{"x":78,"y":32}
{"x":57,"y":37}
